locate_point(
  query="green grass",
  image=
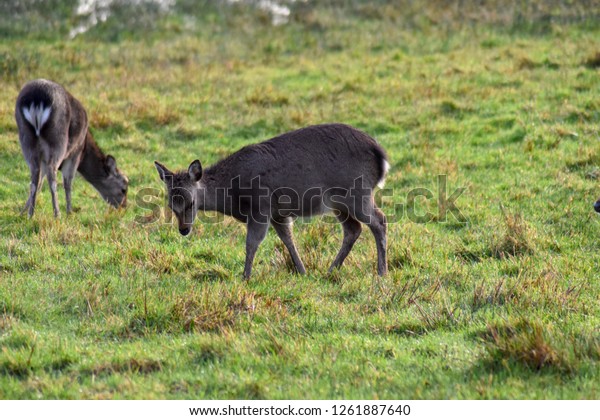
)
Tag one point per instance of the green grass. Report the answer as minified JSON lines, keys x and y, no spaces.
{"x":506,"y":305}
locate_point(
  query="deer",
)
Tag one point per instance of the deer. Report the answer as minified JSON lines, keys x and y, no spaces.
{"x":303,"y":173}
{"x":54,"y":135}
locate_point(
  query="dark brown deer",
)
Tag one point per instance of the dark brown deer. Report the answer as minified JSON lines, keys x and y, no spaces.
{"x":54,"y":135}
{"x":311,"y":171}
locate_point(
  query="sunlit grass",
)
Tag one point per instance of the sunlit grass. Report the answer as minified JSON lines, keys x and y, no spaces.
{"x":505,"y":305}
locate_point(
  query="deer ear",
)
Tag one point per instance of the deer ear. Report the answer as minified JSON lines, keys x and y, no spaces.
{"x":111,"y":163}
{"x":195,"y":171}
{"x":163,"y":172}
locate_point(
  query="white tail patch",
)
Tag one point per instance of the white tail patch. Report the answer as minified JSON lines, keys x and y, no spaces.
{"x":37,"y":116}
{"x":386,"y":168}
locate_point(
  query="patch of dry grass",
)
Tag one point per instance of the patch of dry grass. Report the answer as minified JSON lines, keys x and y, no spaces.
{"x":129,"y":366}
{"x":205,"y":313}
{"x":538,"y":346}
{"x":593,"y":61}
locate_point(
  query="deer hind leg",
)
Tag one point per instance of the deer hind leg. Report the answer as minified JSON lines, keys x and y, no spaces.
{"x":68,"y":170}
{"x":36,"y":182}
{"x":378,"y":227}
{"x":51,"y":176}
{"x":352,"y":230}
{"x":373,"y":217}
{"x":284,"y":231}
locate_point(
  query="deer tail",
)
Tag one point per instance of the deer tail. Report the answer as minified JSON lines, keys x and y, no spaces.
{"x":37,"y":116}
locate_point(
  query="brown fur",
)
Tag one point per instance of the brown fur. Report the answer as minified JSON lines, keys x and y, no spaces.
{"x":330,"y":167}
{"x":64,"y":143}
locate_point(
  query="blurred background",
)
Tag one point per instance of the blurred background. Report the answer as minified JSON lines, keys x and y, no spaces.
{"x":499,"y":97}
{"x":112,"y":20}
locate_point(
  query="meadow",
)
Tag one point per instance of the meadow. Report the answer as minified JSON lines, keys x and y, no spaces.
{"x":502,"y":301}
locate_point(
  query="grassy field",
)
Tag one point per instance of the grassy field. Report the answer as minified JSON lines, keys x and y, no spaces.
{"x":503,"y":304}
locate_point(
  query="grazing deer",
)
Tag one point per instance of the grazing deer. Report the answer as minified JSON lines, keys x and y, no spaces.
{"x":330,"y":167}
{"x":53,"y":132}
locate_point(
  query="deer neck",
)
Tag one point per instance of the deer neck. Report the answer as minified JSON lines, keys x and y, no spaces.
{"x":91,"y":166}
{"x":206,"y":195}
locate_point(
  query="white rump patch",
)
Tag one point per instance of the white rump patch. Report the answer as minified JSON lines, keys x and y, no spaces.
{"x":37,"y":116}
{"x":28,"y":114}
{"x":386,"y":168}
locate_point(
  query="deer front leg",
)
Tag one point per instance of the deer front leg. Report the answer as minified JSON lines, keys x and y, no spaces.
{"x":284,"y":230}
{"x":255,"y":235}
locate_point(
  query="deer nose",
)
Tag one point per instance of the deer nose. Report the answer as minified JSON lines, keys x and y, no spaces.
{"x":597,"y":206}
{"x":185,"y":231}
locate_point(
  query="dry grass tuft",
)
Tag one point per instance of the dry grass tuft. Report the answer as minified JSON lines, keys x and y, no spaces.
{"x":102,"y":120}
{"x":211,"y":273}
{"x":197,"y":316}
{"x":400,"y":257}
{"x":593,"y":61}
{"x":6,"y":322}
{"x":266,"y":96}
{"x":527,"y":343}
{"x":525,"y":63}
{"x":564,"y":132}
{"x":14,"y":368}
{"x":499,"y":294}
{"x":525,"y":289}
{"x":209,"y":313}
{"x":515,"y":241}
{"x":153,"y":114}
{"x":136,"y":366}
{"x":159,"y":261}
